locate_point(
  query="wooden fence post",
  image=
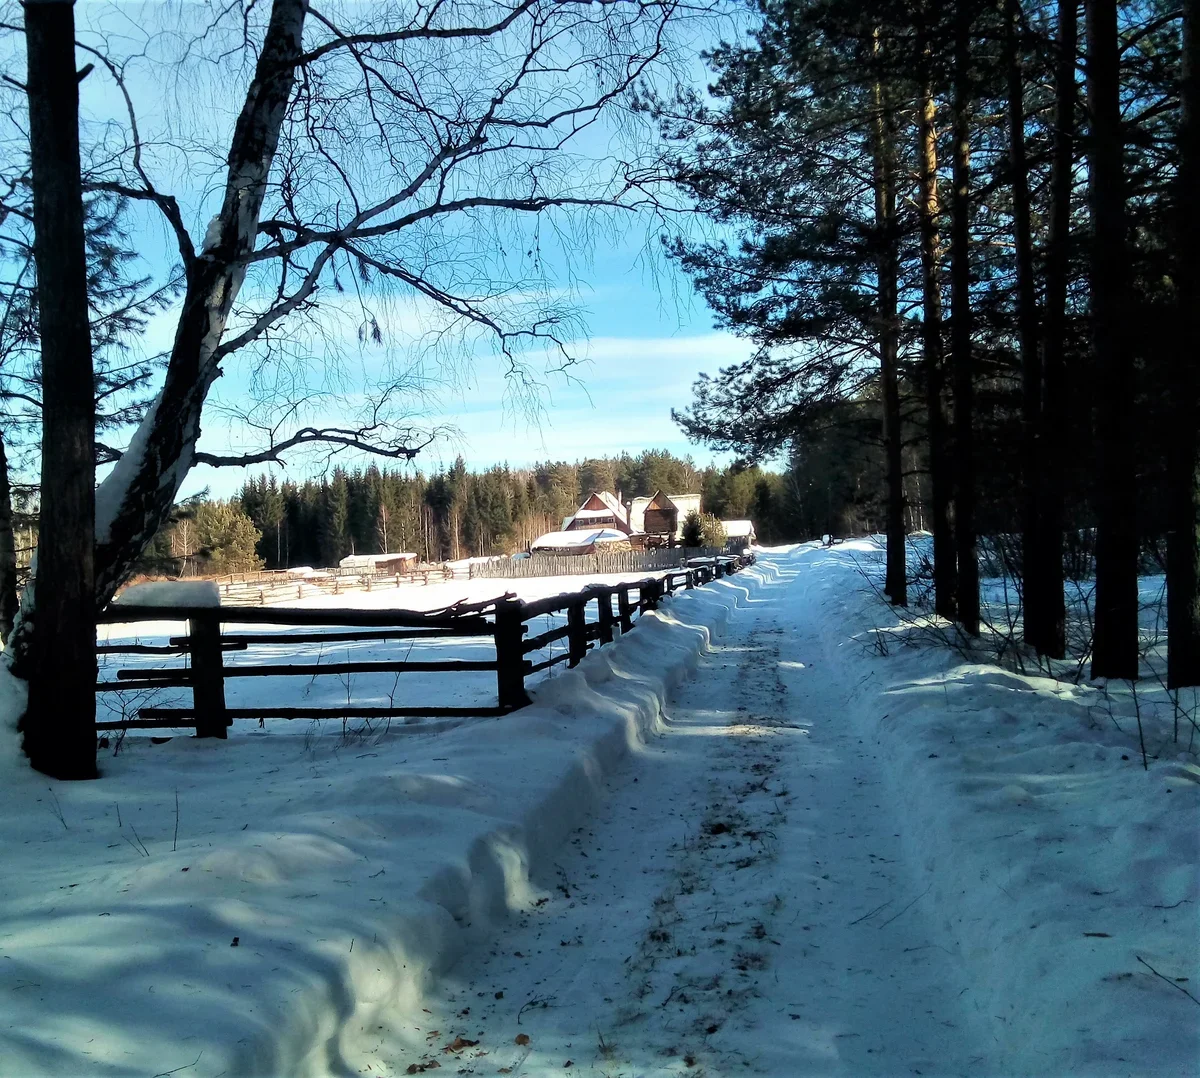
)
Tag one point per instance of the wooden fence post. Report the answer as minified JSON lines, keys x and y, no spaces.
{"x":576,"y":632}
{"x":604,"y":602}
{"x":208,"y":677}
{"x":510,"y":662}
{"x":624,"y":610}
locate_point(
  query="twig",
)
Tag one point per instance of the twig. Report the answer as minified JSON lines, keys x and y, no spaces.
{"x":872,"y":913}
{"x":175,"y":840}
{"x":908,"y":907}
{"x":56,"y":807}
{"x":1167,"y":979}
{"x":176,"y":1070}
{"x":1137,"y":709}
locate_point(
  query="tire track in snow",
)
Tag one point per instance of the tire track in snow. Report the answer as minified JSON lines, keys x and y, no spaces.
{"x":709,"y":919}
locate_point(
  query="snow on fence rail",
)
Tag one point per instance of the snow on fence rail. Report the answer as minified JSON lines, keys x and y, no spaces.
{"x":505,"y":620}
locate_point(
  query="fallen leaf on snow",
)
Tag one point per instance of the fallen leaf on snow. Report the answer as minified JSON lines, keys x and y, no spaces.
{"x":521,"y":1038}
{"x":458,"y":1044}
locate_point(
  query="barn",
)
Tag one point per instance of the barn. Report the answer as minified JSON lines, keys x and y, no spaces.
{"x":661,"y":516}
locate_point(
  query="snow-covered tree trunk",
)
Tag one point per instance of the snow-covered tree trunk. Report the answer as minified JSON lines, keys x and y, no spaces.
{"x":137,"y":496}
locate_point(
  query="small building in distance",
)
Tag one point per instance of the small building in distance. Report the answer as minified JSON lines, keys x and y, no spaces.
{"x":739,"y":535}
{"x":580,"y":541}
{"x":379,"y":563}
{"x":661,"y":516}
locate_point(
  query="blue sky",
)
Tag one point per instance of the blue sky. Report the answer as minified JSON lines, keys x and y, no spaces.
{"x":643,"y":335}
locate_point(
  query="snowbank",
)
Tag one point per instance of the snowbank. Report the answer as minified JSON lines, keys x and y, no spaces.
{"x":1061,"y":873}
{"x":268,"y":905}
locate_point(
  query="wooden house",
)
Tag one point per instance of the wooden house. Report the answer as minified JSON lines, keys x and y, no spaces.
{"x":601,"y":509}
{"x":662,"y":516}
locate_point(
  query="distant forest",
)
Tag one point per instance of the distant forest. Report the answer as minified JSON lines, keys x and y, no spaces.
{"x":459,"y":513}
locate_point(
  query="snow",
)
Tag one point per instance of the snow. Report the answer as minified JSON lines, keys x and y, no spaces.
{"x":370,"y":561}
{"x":738,"y":529}
{"x":568,"y":540}
{"x":771,"y":831}
{"x":171,"y":593}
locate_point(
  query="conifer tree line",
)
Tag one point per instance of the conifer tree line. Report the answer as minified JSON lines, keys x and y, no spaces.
{"x":458,"y":513}
{"x":966,"y":234}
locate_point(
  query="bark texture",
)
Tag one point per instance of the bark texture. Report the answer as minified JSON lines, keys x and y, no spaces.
{"x":888,"y":273}
{"x":59,"y":725}
{"x":1052,"y":630}
{"x":960,"y":332}
{"x":929,"y":208}
{"x":1183,"y":540}
{"x":1027,"y":332}
{"x":1115,"y":647}
{"x":8,"y":551}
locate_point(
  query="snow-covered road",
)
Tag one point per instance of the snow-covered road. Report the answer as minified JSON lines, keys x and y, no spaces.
{"x":813,"y":842}
{"x":740,"y":904}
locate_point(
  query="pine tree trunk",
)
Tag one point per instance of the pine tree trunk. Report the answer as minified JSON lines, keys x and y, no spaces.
{"x":8,"y":551}
{"x":960,"y":329}
{"x":888,"y":261}
{"x":1027,"y":333}
{"x":1183,"y":540}
{"x":1052,"y":631}
{"x":1115,"y":647}
{"x":928,"y":207}
{"x":59,"y":724}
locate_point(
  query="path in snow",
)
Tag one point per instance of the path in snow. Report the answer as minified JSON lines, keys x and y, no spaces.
{"x":738,"y":905}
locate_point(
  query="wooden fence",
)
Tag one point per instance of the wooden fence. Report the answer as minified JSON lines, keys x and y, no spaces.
{"x":505,"y":620}
{"x":604,"y":562}
{"x":277,"y":586}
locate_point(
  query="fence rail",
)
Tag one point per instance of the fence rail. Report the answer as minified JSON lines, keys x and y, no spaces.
{"x":505,"y":620}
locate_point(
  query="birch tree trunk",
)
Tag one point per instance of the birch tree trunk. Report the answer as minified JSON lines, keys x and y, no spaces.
{"x":1052,"y":632}
{"x":139,"y":493}
{"x":928,"y":207}
{"x":888,"y":261}
{"x":59,"y":724}
{"x":1183,"y":541}
{"x":960,"y":331}
{"x":1115,"y":647}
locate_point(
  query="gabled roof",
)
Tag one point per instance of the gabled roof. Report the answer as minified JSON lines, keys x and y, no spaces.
{"x":684,"y":503}
{"x":599,"y":505}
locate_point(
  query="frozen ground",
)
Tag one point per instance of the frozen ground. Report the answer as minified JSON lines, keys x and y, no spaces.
{"x":814,"y":858}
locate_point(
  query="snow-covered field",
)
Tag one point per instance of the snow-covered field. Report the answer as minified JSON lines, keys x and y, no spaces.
{"x":463,"y":689}
{"x":742,"y":839}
